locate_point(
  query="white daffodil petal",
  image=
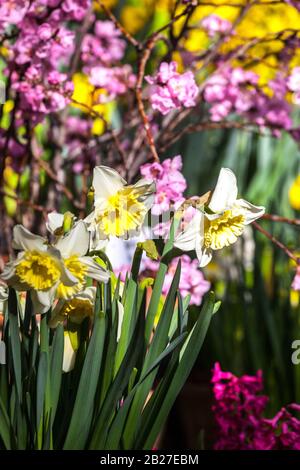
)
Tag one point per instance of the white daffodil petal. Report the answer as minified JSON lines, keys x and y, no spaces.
{"x":55,"y":221}
{"x":76,"y":242}
{"x":225,"y":192}
{"x":3,"y":293}
{"x":42,"y":300}
{"x":69,"y":354}
{"x":67,"y":278}
{"x":204,"y":256}
{"x":94,"y":270}
{"x":89,"y":293}
{"x":146,"y":188}
{"x":120,"y":319}
{"x":192,"y":235}
{"x":2,"y":353}
{"x":23,"y":239}
{"x":8,"y":274}
{"x":3,"y":298}
{"x":251,"y":212}
{"x":106,"y":182}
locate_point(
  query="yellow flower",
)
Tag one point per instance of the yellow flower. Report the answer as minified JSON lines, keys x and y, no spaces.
{"x":38,"y":270}
{"x":78,"y":270}
{"x":224,"y":230}
{"x":120,"y":209}
{"x":221,"y":222}
{"x":45,"y":269}
{"x":77,"y":308}
{"x":294,"y":194}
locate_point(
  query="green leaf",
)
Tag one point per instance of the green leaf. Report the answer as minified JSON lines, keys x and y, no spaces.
{"x":15,"y":340}
{"x":42,"y":376}
{"x":56,"y":361}
{"x":5,"y":427}
{"x":161,"y":402}
{"x":159,"y":280}
{"x":83,"y":408}
{"x":115,"y":391}
{"x":157,"y":346}
{"x":129,"y":318}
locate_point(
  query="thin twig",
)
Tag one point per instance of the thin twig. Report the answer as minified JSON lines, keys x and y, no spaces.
{"x":279,"y":218}
{"x":276,"y":242}
{"x":138,"y":92}
{"x":118,"y":25}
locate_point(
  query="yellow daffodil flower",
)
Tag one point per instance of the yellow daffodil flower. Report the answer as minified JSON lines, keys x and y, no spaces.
{"x":294,"y":194}
{"x":221,"y":222}
{"x":119,"y":209}
{"x":3,"y":298}
{"x":77,"y":308}
{"x":49,"y":270}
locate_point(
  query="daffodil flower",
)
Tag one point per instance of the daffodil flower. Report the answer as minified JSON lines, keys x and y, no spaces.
{"x":3,"y":298}
{"x":119,"y":209}
{"x":51,"y":270}
{"x":77,"y":308}
{"x":221,"y":222}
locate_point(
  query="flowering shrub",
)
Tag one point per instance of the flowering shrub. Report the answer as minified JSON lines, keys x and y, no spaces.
{"x":239,"y":412}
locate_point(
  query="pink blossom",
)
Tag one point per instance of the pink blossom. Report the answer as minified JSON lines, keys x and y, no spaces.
{"x":214,"y":24}
{"x":192,"y":281}
{"x":239,"y":412}
{"x":293,"y":3}
{"x":104,"y":46}
{"x":234,"y":90}
{"x":172,"y":90}
{"x":296,"y":280}
{"x":115,"y":80}
{"x":12,"y":11}
{"x":170,"y":183}
{"x":294,"y":84}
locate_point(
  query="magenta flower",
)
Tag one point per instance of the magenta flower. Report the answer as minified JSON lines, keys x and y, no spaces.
{"x":172,"y":90}
{"x":170,"y":183}
{"x":239,"y":412}
{"x":192,"y":281}
{"x":214,"y":24}
{"x":104,"y":46}
{"x":235,"y":90}
{"x":296,"y":281}
{"x":294,"y":84}
{"x":12,"y":11}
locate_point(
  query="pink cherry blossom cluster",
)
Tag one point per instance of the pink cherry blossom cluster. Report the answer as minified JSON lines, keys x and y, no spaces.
{"x":101,"y":52}
{"x":214,"y":24}
{"x":43,"y":93}
{"x":293,"y":84}
{"x":296,"y":281}
{"x":81,"y":154}
{"x":192,"y":281}
{"x":170,"y":183}
{"x":239,"y":408}
{"x":235,"y":90}
{"x":42,"y":43}
{"x":293,"y":3}
{"x":172,"y":90}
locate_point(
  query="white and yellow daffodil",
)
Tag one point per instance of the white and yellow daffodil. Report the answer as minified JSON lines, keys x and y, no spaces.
{"x":119,"y":209}
{"x":77,"y":308}
{"x":51,"y":270}
{"x":221,"y":222}
{"x":3,"y":298}
{"x":59,"y":224}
